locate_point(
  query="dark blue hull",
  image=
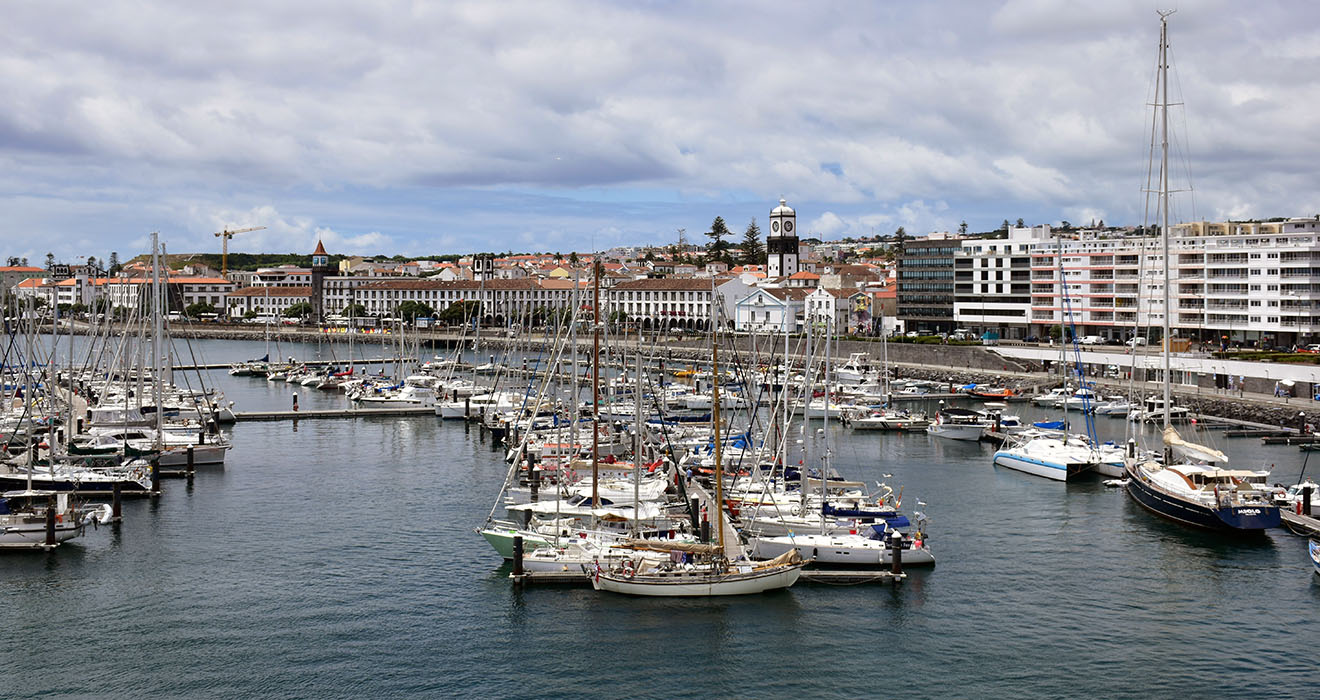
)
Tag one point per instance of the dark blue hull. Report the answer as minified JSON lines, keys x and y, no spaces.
{"x":99,"y":489}
{"x":1237,"y":519}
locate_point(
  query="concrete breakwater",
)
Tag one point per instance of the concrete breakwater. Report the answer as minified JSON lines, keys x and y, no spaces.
{"x":956,"y":364}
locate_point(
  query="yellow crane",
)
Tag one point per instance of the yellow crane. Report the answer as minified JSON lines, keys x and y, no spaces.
{"x":225,"y":235}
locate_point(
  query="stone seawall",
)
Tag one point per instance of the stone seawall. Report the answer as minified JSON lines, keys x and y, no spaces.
{"x":956,"y":364}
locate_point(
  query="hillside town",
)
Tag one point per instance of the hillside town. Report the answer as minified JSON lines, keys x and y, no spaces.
{"x":1240,"y":283}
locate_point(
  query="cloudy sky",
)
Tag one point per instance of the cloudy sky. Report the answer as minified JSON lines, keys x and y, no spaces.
{"x":439,"y":127}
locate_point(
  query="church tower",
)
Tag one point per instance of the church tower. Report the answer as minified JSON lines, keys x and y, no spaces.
{"x":320,"y":266}
{"x":781,"y":244}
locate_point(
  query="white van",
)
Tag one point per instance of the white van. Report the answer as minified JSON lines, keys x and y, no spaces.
{"x":1093,"y":340}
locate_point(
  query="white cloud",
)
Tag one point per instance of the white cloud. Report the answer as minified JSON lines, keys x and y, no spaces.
{"x":996,"y":110}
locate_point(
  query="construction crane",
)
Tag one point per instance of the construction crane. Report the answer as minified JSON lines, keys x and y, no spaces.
{"x":225,"y":235}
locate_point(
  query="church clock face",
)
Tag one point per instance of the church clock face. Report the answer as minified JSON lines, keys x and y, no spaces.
{"x":774,"y":226}
{"x":788,"y":227}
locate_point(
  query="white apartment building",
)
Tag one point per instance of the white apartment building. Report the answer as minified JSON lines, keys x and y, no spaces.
{"x":992,"y":282}
{"x":1240,"y":281}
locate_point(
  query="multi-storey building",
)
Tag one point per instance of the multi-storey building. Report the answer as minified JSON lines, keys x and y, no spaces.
{"x":1236,"y":281}
{"x":992,"y":282}
{"x":926,"y":283}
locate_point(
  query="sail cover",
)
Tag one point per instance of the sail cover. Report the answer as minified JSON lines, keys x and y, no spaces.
{"x":1191,"y":450}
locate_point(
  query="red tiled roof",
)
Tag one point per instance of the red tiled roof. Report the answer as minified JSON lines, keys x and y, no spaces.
{"x":666,"y":284}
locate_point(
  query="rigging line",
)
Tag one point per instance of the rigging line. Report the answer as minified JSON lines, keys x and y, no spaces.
{"x":1187,"y":147}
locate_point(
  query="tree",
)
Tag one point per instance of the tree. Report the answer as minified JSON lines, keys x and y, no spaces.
{"x":1065,"y":225}
{"x":50,"y":261}
{"x":354,"y":310}
{"x":962,"y":228}
{"x":459,"y":312}
{"x":196,"y":310}
{"x":753,"y":253}
{"x":12,"y":261}
{"x":573,"y":260}
{"x":92,"y":263}
{"x":114,"y":263}
{"x":302,"y":309}
{"x":718,"y":248}
{"x":1020,"y":222}
{"x":900,"y":235}
{"x":412,"y":310}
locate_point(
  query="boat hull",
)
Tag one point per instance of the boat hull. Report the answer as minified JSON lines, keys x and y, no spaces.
{"x":869,"y":554}
{"x":956,"y":432}
{"x":32,"y":535}
{"x":688,"y":585}
{"x":1057,"y":471}
{"x":502,"y":540}
{"x":1252,"y":519}
{"x":91,"y":489}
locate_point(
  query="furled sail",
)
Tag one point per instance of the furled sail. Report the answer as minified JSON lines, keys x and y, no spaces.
{"x":1191,"y":450}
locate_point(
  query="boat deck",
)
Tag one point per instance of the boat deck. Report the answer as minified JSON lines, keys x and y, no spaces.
{"x":326,"y":413}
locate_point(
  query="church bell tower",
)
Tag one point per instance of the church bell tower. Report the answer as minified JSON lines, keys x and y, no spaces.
{"x":320,"y":266}
{"x":781,"y":244}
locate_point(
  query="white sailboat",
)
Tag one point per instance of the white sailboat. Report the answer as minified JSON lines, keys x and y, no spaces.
{"x":716,"y":575}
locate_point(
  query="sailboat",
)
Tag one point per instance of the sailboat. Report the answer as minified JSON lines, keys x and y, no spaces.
{"x":1195,"y":490}
{"x":716,"y":575}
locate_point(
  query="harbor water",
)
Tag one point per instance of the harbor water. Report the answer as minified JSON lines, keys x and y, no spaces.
{"x":337,"y":558}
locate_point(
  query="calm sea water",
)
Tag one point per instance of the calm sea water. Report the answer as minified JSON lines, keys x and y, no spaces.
{"x":337,"y":559}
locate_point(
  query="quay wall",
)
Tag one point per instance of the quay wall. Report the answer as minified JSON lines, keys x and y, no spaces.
{"x":957,"y":364}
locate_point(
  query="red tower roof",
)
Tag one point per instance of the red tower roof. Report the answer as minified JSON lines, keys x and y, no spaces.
{"x":320,"y":249}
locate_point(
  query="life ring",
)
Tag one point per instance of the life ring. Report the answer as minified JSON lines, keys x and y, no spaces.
{"x":628,"y":569}
{"x":795,"y":510}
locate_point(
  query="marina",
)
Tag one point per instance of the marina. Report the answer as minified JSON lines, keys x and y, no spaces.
{"x":454,"y":393}
{"x":997,"y":533}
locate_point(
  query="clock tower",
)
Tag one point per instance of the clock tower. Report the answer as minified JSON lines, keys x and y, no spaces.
{"x":320,"y":266}
{"x":781,"y":244}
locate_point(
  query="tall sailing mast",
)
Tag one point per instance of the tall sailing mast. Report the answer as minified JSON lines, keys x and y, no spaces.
{"x":715,"y":427}
{"x":1164,"y":195}
{"x":595,"y":386}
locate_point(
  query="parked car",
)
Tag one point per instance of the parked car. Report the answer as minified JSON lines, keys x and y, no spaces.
{"x":1093,"y":340}
{"x":1135,"y":341}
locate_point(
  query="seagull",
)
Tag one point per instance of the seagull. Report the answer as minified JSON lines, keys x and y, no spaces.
{"x":887,"y":476}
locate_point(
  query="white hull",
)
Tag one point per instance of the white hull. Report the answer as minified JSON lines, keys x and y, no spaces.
{"x":957,"y":431}
{"x":682,"y":584}
{"x":32,"y":535}
{"x":851,"y":551}
{"x":1012,"y":460}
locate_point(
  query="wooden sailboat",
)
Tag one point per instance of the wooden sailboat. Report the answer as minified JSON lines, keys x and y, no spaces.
{"x":713,"y":574}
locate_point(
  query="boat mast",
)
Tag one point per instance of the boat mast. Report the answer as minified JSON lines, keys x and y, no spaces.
{"x":637,"y":443}
{"x":715,"y":426}
{"x":808,"y":385}
{"x":575,"y":414}
{"x":1164,"y":193}
{"x":825,"y":429}
{"x":156,"y":317}
{"x":595,"y":387}
{"x":1063,"y":348}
